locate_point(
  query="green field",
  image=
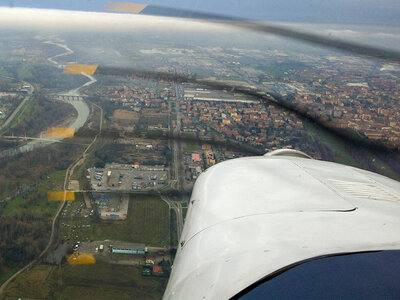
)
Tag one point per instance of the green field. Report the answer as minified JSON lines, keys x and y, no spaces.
{"x":24,"y":71}
{"x":149,"y":133}
{"x":385,"y":169}
{"x":174,"y":233}
{"x":184,"y":209}
{"x":147,"y":222}
{"x":31,"y":283}
{"x":97,"y":281}
{"x":24,"y":114}
{"x":42,"y":207}
{"x":6,"y":272}
{"x":335,"y":144}
{"x":190,"y":143}
{"x":106,"y":281}
{"x":191,"y":147}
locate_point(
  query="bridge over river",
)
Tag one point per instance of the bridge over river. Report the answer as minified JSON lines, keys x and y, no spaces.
{"x":67,"y":97}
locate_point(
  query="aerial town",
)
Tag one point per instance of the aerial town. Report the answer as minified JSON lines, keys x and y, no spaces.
{"x":137,"y":145}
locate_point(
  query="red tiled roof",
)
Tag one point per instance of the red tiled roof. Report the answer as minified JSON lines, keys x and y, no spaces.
{"x":157,"y":270}
{"x":196,"y":157}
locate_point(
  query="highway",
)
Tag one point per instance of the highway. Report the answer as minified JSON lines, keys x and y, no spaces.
{"x":176,"y":133}
{"x":177,"y":207}
{"x":15,"y":112}
{"x":177,"y":152}
{"x":177,"y":148}
{"x":43,"y":139}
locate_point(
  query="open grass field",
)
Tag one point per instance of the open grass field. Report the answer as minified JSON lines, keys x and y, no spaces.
{"x":191,"y":147}
{"x":96,"y":281}
{"x":24,"y":114}
{"x":42,"y":207}
{"x":127,"y":115}
{"x":335,"y":144}
{"x":6,"y":272}
{"x":386,"y":170}
{"x":190,"y":143}
{"x":31,"y":283}
{"x":184,"y":209}
{"x":147,"y":222}
{"x":105,"y":281}
{"x":174,"y":233}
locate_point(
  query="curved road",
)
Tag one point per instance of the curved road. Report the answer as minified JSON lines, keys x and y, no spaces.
{"x":177,"y":207}
{"x":68,"y":174}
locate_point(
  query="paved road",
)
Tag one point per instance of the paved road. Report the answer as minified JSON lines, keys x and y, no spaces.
{"x":177,"y":207}
{"x":53,"y":140}
{"x":15,"y":112}
{"x":177,"y":147}
{"x":68,"y":174}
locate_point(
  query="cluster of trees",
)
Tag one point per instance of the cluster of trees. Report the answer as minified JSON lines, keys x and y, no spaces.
{"x":108,"y":106}
{"x":6,"y":86}
{"x":7,"y":144}
{"x":36,"y":165}
{"x":112,"y":153}
{"x":45,"y":113}
{"x":22,"y":238}
{"x":50,"y":77}
{"x":11,"y":102}
{"x":24,"y":234}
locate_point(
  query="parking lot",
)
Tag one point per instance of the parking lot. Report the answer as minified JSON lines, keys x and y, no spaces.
{"x":118,"y":177}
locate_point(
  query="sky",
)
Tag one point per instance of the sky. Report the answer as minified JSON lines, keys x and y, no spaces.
{"x":366,"y":12}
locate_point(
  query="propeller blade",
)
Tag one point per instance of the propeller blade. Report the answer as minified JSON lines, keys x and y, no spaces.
{"x":267,"y":98}
{"x":279,"y":30}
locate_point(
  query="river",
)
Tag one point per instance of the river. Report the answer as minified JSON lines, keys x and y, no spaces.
{"x":80,"y":106}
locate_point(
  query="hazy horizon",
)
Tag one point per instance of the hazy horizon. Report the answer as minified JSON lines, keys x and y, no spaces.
{"x":367,"y":12}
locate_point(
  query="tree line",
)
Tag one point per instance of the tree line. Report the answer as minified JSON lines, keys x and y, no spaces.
{"x":22,"y":238}
{"x":45,"y":113}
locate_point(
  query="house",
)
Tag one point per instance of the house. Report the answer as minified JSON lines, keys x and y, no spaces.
{"x":196,"y":157}
{"x":158,"y":271}
{"x":150,"y":261}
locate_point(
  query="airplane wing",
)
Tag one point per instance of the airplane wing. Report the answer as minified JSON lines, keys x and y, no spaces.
{"x":252,"y":217}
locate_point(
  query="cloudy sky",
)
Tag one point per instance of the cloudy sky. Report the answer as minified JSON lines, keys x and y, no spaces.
{"x":367,"y":12}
